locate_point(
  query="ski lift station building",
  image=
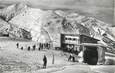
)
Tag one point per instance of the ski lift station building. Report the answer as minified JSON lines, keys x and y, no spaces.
{"x":93,"y":52}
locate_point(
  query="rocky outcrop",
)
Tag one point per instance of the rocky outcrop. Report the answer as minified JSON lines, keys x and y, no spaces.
{"x":11,"y":11}
{"x":10,"y":30}
{"x":4,"y":27}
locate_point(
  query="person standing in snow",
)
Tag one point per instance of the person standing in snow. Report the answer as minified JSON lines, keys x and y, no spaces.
{"x":17,"y":45}
{"x":69,"y":57}
{"x":21,"y":48}
{"x":34,"y":47}
{"x":44,"y":61}
{"x":28,"y":48}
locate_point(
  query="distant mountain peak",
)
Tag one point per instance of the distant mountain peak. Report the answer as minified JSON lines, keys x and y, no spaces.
{"x":11,"y":11}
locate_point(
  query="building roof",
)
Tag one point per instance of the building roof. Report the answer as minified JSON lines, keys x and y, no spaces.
{"x":92,"y":44}
{"x":70,"y":34}
{"x":81,"y":35}
{"x":90,"y":37}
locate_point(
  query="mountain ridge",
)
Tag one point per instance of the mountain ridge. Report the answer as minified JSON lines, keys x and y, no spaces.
{"x":33,"y":19}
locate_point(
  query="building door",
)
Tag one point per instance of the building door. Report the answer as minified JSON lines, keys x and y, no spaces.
{"x":90,"y":55}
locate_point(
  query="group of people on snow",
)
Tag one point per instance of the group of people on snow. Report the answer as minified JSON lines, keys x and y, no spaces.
{"x":33,"y":47}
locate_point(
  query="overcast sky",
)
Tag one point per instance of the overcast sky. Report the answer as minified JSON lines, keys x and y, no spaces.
{"x":102,"y":9}
{"x":62,"y":3}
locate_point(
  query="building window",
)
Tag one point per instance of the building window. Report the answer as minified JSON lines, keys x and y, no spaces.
{"x":66,"y":38}
{"x":74,"y":39}
{"x":69,"y":38}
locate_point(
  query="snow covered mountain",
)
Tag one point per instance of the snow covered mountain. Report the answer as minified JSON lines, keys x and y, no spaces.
{"x":54,"y":22}
{"x":11,"y":11}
